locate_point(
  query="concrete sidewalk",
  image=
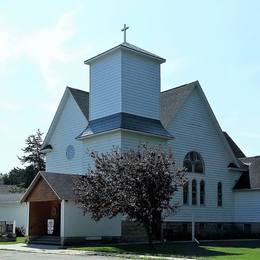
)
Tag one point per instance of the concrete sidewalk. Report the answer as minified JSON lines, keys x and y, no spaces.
{"x":47,"y":249}
{"x":57,"y":250}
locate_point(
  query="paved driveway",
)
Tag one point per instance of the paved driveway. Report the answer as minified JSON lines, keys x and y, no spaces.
{"x":14,"y":255}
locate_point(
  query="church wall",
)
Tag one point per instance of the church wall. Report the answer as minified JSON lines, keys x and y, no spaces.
{"x":70,"y":124}
{"x":105,"y":86}
{"x":100,"y":143}
{"x":247,"y":206}
{"x":76,"y":224}
{"x":140,"y":85}
{"x":132,"y":140}
{"x":194,"y":131}
{"x":14,"y":211}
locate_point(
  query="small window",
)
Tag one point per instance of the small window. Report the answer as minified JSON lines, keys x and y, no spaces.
{"x":220,"y":202}
{"x":194,"y":192}
{"x":202,"y":192}
{"x":186,"y":193}
{"x":193,"y":162}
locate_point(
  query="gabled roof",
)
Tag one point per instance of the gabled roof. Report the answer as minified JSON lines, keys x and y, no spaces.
{"x":82,"y":99}
{"x":243,"y":182}
{"x":173,"y":99}
{"x":236,"y":150}
{"x":248,"y":160}
{"x":60,"y":183}
{"x":7,"y":196}
{"x":126,"y":121}
{"x":126,"y":46}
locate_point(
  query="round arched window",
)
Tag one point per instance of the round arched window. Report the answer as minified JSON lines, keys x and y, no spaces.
{"x":193,"y":162}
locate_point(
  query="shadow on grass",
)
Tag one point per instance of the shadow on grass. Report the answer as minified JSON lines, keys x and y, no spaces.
{"x":170,"y":249}
{"x":236,"y":244}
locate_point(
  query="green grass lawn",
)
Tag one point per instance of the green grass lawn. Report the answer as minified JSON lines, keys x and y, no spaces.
{"x":214,"y":250}
{"x":18,"y":240}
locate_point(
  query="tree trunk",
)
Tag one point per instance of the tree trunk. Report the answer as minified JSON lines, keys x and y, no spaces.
{"x":149,"y":233}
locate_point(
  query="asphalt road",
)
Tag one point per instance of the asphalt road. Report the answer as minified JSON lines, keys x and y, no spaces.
{"x":14,"y":255}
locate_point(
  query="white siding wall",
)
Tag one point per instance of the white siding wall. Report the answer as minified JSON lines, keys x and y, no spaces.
{"x":70,"y":124}
{"x":194,"y":131}
{"x":105,"y":86}
{"x":14,"y":211}
{"x":100,"y":143}
{"x":140,"y":85}
{"x":124,"y":82}
{"x":78,"y":225}
{"x":132,"y":140}
{"x":247,"y":206}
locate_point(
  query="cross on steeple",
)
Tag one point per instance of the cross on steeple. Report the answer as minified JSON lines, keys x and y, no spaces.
{"x":124,"y":30}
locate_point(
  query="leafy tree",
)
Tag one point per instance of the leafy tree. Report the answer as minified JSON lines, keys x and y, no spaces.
{"x":32,"y":152}
{"x":33,"y":157}
{"x":139,"y":184}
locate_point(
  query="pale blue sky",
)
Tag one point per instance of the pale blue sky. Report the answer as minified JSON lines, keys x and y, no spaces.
{"x":43,"y":45}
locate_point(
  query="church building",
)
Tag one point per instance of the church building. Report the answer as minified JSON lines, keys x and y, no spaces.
{"x":125,"y":107}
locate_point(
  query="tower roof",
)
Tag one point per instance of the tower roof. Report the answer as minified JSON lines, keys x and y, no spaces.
{"x":129,"y":47}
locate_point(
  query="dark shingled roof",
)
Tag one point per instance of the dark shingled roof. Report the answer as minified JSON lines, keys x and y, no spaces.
{"x":7,"y":196}
{"x":128,"y":122}
{"x":243,"y":182}
{"x":234,"y":147}
{"x":173,"y":99}
{"x":60,"y":183}
{"x":249,"y":160}
{"x":82,"y":99}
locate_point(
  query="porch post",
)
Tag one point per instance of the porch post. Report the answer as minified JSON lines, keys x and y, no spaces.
{"x":62,"y":208}
{"x":28,"y":219}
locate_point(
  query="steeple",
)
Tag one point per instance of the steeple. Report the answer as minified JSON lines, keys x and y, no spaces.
{"x":126,"y":79}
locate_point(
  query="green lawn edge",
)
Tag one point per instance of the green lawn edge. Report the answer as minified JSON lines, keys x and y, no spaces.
{"x":239,"y":250}
{"x":18,"y":241}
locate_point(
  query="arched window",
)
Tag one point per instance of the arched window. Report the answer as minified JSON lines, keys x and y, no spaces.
{"x":193,"y":162}
{"x":186,"y":193}
{"x":202,"y":192}
{"x":220,"y":203}
{"x":194,"y":192}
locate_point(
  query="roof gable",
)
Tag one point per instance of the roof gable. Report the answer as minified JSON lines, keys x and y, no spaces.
{"x":80,"y":97}
{"x":60,"y":184}
{"x":236,"y":150}
{"x":129,"y":47}
{"x":173,"y":99}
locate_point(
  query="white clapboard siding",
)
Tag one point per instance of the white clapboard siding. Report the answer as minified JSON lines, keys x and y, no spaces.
{"x":105,"y":86}
{"x":194,"y":131}
{"x":140,"y":85}
{"x":124,"y":82}
{"x":247,"y":206}
{"x":76,"y":224}
{"x":70,"y":124}
{"x":100,"y":143}
{"x":14,"y":211}
{"x":132,"y":140}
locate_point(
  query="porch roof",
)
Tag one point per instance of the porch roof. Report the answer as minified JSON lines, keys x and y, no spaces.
{"x":60,"y":183}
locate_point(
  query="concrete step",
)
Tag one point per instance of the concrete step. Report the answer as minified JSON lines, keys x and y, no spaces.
{"x":46,"y":240}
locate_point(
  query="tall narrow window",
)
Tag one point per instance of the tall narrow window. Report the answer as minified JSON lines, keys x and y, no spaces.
{"x":186,"y":193}
{"x":194,"y":192}
{"x":202,"y":192}
{"x":220,"y":203}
